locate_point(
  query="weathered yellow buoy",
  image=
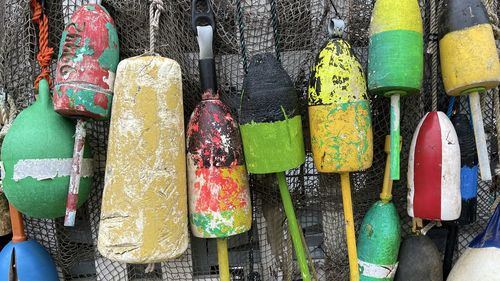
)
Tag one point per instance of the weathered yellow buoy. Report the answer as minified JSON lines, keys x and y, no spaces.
{"x":144,"y":207}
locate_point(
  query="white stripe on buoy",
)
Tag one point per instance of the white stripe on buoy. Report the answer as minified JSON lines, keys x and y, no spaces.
{"x":377,"y":270}
{"x":411,"y":174}
{"x":43,"y":169}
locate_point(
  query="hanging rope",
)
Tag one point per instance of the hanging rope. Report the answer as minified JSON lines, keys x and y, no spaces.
{"x":433,"y":50}
{"x":44,"y":51}
{"x":495,"y":22}
{"x":155,"y":10}
{"x":275,"y":24}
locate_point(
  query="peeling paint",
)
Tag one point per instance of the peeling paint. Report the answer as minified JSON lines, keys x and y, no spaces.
{"x":43,"y":169}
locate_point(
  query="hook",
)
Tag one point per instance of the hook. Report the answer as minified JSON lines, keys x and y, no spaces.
{"x":202,"y":18}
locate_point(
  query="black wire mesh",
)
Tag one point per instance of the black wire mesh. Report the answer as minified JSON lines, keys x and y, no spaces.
{"x":292,"y":29}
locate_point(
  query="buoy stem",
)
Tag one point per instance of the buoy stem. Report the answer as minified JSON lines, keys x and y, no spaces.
{"x":16,"y":219}
{"x":482,"y":149}
{"x":345,"y":183}
{"x":222,"y":255}
{"x":395,"y":138}
{"x":293,"y":227}
{"x":74,"y":180}
{"x":386,"y":194}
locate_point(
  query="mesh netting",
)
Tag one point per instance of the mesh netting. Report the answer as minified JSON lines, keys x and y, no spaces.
{"x":292,"y":29}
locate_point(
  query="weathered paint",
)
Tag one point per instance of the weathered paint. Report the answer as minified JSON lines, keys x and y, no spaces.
{"x":144,"y":217}
{"x":395,"y":55}
{"x":271,"y":126}
{"x":39,"y":133}
{"x":219,"y":195}
{"x":43,"y":169}
{"x":272,"y":147}
{"x":87,"y":61}
{"x":341,"y":137}
{"x":434,"y":170}
{"x":469,"y":60}
{"x":378,"y":242}
{"x":339,"y":111}
{"x":480,"y":259}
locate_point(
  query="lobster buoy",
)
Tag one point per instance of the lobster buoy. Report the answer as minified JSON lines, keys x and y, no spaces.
{"x":86,"y":66}
{"x":339,"y":111}
{"x":480,"y":259}
{"x":469,"y":170}
{"x":37,"y":155}
{"x":419,"y":260}
{"x":434,"y":170}
{"x":148,"y":120}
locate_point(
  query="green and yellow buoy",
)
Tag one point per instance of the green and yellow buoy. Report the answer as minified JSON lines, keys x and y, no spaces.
{"x":395,"y":59}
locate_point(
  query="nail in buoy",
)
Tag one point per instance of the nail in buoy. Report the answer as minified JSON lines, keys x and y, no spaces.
{"x":469,"y":170}
{"x":144,"y":217}
{"x":434,"y":170}
{"x":469,"y":62}
{"x":24,"y":259}
{"x":271,"y":130}
{"x":419,"y":259}
{"x":85,"y":74}
{"x":340,"y":121}
{"x":36,"y":155}
{"x":480,"y":259}
{"x":339,"y":110}
{"x":380,"y":234}
{"x":395,"y":59}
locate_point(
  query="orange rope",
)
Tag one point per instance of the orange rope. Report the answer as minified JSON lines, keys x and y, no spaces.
{"x":44,"y":51}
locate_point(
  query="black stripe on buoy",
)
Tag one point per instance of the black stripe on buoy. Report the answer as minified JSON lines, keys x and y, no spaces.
{"x":461,"y":14}
{"x":268,"y":92}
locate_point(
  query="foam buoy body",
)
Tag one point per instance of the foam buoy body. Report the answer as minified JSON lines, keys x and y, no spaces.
{"x":270,"y":121}
{"x":86,"y":67}
{"x":339,"y":111}
{"x":37,"y":154}
{"x":395,"y":56}
{"x":469,"y":57}
{"x":219,"y":195}
{"x":434,"y":170}
{"x":480,"y":260}
{"x":378,"y":242}
{"x":469,"y":170}
{"x":37,"y":264}
{"x":148,"y":211}
{"x":419,"y":260}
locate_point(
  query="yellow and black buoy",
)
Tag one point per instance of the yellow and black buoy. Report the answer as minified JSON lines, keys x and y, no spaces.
{"x":469,"y":62}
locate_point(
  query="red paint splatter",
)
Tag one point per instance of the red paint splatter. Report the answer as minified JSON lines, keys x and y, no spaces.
{"x":101,"y":100}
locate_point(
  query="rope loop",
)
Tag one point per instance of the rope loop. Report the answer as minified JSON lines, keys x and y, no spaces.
{"x":155,"y":10}
{"x":44,"y":51}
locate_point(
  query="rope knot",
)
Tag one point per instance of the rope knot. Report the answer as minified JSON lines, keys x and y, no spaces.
{"x":44,"y":51}
{"x":155,"y":10}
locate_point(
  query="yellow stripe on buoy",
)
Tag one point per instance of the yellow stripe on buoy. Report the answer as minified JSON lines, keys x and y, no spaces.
{"x":469,"y":59}
{"x":396,"y":15}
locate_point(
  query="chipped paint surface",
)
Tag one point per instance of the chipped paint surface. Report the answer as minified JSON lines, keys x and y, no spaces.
{"x":219,"y":201}
{"x":219,"y":196}
{"x":341,"y":137}
{"x":43,"y":169}
{"x":87,"y":61}
{"x":337,"y":76}
{"x":469,"y":60}
{"x":144,"y":215}
{"x":339,"y":111}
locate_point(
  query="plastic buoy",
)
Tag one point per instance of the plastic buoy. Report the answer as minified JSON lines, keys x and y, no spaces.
{"x":36,"y":155}
{"x":419,"y":260}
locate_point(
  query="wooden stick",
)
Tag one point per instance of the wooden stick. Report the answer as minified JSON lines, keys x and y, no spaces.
{"x":76,"y":165}
{"x":345,"y":182}
{"x":18,"y":233}
{"x":222,"y":255}
{"x":294,"y":228}
{"x":386,"y":194}
{"x":395,"y":135}
{"x":482,"y":148}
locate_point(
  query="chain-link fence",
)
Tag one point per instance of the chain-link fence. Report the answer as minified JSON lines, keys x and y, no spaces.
{"x":292,"y":29}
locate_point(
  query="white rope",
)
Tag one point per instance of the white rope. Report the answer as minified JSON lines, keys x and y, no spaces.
{"x":155,"y":10}
{"x":495,"y":22}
